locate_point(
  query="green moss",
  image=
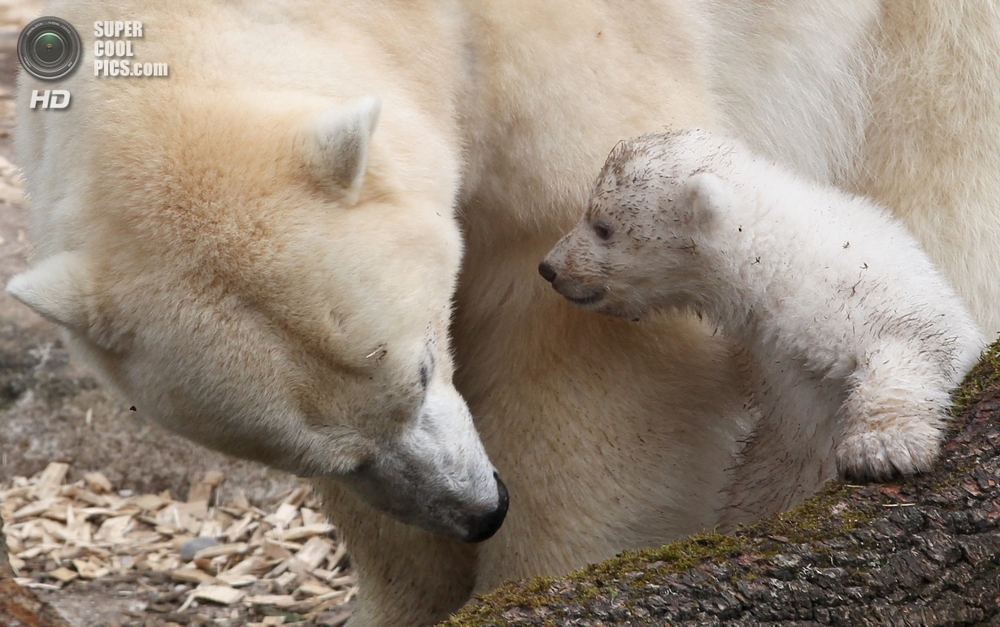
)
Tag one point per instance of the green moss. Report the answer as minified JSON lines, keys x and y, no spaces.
{"x":533,"y":593}
{"x":814,"y":521}
{"x":599,"y":578}
{"x":674,"y":557}
{"x":982,"y":376}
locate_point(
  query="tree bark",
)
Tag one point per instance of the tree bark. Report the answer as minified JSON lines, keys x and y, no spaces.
{"x":921,"y":552}
{"x":5,"y":569}
{"x":18,"y":606}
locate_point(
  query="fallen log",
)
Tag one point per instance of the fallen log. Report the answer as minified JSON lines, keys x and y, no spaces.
{"x":924,"y":551}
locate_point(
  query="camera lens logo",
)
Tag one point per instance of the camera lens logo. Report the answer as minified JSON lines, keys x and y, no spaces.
{"x":49,"y":48}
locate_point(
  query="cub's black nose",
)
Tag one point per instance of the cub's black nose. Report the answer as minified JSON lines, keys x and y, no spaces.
{"x":547,"y":272}
{"x":483,"y":527}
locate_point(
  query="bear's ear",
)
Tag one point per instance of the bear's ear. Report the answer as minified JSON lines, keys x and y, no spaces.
{"x":338,"y":146}
{"x":702,"y":198}
{"x":56,"y":288}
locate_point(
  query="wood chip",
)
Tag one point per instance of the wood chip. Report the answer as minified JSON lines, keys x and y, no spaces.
{"x":240,"y":527}
{"x":149,"y":502}
{"x":223,"y":595}
{"x":89,"y":570}
{"x":191,"y":575}
{"x":284,"y":581}
{"x":251,"y":565}
{"x":313,"y":552}
{"x":276,"y":600}
{"x":305,"y":531}
{"x":240,"y":500}
{"x":89,"y":498}
{"x":50,"y":480}
{"x":275,"y":551}
{"x":309,"y":517}
{"x":297,"y":496}
{"x":338,"y":555}
{"x":238,"y":548}
{"x":34,"y":585}
{"x":92,"y":531}
{"x":113,"y":529}
{"x":284,"y":516}
{"x":312,"y":589}
{"x":200,"y":492}
{"x":63,"y":574}
{"x":97,"y":482}
{"x":211,"y":529}
{"x":10,"y":194}
{"x":236,"y":580}
{"x":33,"y":510}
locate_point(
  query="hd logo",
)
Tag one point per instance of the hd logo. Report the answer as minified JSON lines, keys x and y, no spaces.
{"x":49,"y":49}
{"x":50,"y":98}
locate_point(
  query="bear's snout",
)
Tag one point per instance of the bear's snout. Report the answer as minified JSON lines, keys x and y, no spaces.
{"x":484,"y":527}
{"x":547,"y":272}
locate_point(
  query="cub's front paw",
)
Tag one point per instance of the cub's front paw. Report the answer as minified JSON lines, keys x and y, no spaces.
{"x":880,"y":452}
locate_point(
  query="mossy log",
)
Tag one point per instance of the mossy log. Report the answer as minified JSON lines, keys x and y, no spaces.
{"x":924,"y":551}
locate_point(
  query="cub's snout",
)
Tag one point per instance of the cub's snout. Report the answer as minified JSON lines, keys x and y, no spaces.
{"x":567,"y":267}
{"x":570,"y":286}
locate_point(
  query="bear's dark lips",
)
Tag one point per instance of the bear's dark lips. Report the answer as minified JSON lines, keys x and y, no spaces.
{"x":589,"y":299}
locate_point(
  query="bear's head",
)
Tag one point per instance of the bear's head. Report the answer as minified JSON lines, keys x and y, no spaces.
{"x":264,"y":278}
{"x":651,"y":219}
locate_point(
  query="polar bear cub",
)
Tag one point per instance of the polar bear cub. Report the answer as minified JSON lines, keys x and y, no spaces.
{"x":831,"y":296}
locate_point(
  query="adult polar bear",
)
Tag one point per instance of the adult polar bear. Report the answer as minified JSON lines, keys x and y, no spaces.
{"x":195,"y":202}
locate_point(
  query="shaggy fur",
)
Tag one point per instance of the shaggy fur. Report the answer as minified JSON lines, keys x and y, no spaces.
{"x":231,"y":290}
{"x":852,"y":331}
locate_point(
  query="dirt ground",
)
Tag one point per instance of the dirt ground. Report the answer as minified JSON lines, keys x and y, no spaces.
{"x":53,"y":409}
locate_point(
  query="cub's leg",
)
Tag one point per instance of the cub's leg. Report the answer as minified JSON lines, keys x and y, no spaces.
{"x":894,"y":416}
{"x":406,"y":578}
{"x":789,"y":455}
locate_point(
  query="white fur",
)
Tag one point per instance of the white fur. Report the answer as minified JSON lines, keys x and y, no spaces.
{"x":229,"y":258}
{"x":221,"y":266}
{"x":845,"y":317}
{"x":56,"y":288}
{"x":340,"y":154}
{"x":791,"y":79}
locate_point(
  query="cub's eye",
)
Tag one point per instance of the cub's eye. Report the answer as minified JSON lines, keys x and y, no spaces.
{"x":603,"y":231}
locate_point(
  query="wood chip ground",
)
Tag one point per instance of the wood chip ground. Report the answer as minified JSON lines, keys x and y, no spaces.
{"x":259,"y":568}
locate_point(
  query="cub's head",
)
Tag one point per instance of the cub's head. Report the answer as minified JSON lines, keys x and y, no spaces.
{"x":270,"y":281}
{"x":649,"y":220}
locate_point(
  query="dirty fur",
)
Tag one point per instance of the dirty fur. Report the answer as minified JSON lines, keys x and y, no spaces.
{"x":856,"y":339}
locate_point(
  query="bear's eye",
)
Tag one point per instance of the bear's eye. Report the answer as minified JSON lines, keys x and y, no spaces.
{"x":427,"y":369}
{"x":603,"y":231}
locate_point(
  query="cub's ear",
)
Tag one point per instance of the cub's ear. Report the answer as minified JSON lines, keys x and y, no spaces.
{"x":56,"y":288}
{"x":338,"y":146}
{"x":702,"y":197}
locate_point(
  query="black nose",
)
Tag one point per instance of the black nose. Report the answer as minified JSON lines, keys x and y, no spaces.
{"x":547,"y":272}
{"x":483,"y":527}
